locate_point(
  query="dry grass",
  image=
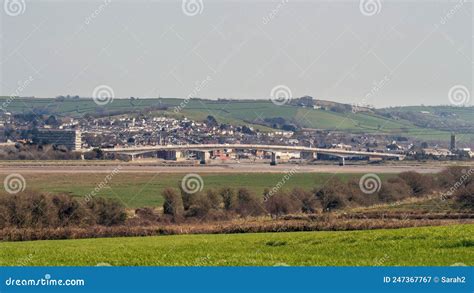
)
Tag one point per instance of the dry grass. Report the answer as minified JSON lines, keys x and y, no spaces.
{"x":290,"y":223}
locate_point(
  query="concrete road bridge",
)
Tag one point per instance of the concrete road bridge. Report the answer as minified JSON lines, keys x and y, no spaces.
{"x":203,"y":149}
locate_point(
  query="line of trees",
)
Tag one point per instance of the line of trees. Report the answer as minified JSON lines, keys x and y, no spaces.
{"x":335,"y":194}
{"x":39,"y":210}
{"x":37,"y":152}
{"x":223,"y":204}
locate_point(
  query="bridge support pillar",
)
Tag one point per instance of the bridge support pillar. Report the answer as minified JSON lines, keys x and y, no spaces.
{"x":203,"y":157}
{"x":82,"y":157}
{"x":132,"y":157}
{"x":310,"y":156}
{"x":274,"y":159}
{"x":342,"y":161}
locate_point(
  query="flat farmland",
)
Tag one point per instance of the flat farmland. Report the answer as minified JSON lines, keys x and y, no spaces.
{"x":421,"y":246}
{"x":144,"y":189}
{"x":139,"y":184}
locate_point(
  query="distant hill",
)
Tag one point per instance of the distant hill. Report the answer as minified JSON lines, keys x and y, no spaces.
{"x":430,"y":123}
{"x":456,"y":119}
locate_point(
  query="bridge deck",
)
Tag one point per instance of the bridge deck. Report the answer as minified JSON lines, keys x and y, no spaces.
{"x":270,"y":148}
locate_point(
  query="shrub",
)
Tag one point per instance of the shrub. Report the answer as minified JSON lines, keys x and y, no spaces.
{"x":394,"y":189}
{"x":185,"y":198}
{"x":206,"y":205}
{"x":37,"y":210}
{"x":108,"y":212}
{"x":147,"y":214}
{"x":281,"y":204}
{"x":449,"y":176}
{"x":29,"y":210}
{"x":200,"y":206}
{"x":215,"y":199}
{"x":306,"y":200}
{"x":332,"y":195}
{"x":173,"y":204}
{"x":419,"y":184}
{"x":465,"y":196}
{"x":247,"y":203}
{"x":229,"y":198}
{"x":355,"y":196}
{"x":4,"y":214}
{"x":71,"y":212}
{"x":219,"y":215}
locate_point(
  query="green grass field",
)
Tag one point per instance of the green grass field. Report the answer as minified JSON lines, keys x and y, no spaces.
{"x":144,"y":189}
{"x":426,"y":246}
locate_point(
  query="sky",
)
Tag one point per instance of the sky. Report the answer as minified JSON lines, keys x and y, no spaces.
{"x":368,"y":52}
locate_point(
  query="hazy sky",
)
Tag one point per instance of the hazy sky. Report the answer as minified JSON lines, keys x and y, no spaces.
{"x":380,"y":53}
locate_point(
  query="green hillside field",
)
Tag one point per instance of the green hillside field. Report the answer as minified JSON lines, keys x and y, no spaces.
{"x":244,"y":112}
{"x":423,"y":246}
